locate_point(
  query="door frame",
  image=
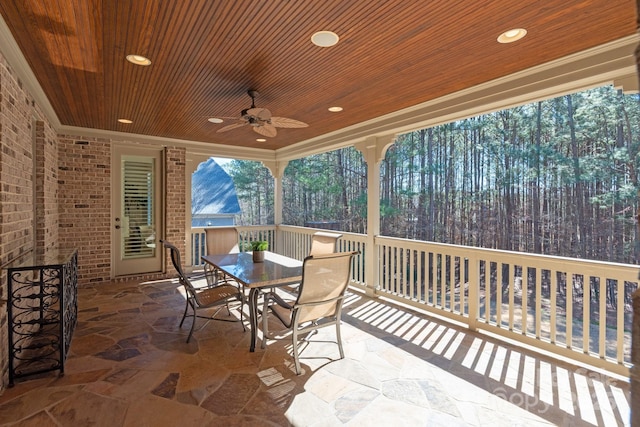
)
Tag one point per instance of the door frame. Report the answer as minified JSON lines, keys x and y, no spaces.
{"x":120,"y":150}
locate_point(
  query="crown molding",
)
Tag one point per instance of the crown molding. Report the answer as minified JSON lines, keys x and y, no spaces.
{"x":193,"y":147}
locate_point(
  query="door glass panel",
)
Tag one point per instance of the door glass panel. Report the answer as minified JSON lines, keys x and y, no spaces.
{"x":139,"y":229}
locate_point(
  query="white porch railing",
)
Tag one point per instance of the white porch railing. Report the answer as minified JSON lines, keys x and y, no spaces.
{"x":245,"y":235}
{"x":575,"y":308}
{"x":296,"y":243}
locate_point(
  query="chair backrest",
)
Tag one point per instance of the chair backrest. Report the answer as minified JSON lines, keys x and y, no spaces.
{"x":221,"y":240}
{"x":324,"y":243}
{"x":324,"y":278}
{"x":177,"y":264}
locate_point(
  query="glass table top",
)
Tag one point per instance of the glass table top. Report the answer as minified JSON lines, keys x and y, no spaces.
{"x":275,"y":270}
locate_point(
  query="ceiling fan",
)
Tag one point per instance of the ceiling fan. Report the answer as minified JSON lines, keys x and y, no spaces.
{"x":261,"y":120}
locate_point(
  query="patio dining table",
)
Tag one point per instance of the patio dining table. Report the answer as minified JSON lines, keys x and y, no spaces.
{"x":276,"y":270}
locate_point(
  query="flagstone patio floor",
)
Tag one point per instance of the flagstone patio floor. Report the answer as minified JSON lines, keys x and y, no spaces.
{"x":129,"y":365}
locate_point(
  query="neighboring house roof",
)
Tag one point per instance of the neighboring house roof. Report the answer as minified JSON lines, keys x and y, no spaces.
{"x":213,"y":191}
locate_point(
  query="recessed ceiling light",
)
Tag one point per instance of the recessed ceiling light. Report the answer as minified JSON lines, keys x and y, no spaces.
{"x":215,"y":120}
{"x":127,"y":121}
{"x":325,"y":38}
{"x":512,"y":35}
{"x":335,"y":109}
{"x":138,"y":60}
{"x":261,"y":140}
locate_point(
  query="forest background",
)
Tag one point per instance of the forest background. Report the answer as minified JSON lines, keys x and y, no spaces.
{"x":556,"y":177}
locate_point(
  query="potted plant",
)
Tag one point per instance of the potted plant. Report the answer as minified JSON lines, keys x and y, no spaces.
{"x":258,"y":247}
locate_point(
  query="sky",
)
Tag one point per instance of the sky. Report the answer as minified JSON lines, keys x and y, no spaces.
{"x":223,"y":162}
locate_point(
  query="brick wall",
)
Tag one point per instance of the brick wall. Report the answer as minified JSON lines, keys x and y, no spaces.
{"x":16,"y":167}
{"x":56,"y":191}
{"x":72,"y":202}
{"x":28,"y":163}
{"x":16,"y":179}
{"x":46,"y":187}
{"x":84,"y":204}
{"x":84,"y":200}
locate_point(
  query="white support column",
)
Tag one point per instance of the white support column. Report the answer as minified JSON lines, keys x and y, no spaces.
{"x":277,"y":171}
{"x":373,"y":150}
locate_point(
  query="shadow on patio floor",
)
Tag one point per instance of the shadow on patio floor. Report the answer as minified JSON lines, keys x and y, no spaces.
{"x":555,"y":390}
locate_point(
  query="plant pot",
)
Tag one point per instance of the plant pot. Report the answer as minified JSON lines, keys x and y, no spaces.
{"x":258,"y":256}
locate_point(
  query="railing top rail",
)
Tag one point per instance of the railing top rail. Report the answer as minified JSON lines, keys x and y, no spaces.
{"x":592,"y":267}
{"x":256,"y":227}
{"x":311,"y":230}
{"x":301,"y":229}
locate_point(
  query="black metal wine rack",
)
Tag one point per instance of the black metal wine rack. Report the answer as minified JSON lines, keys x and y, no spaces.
{"x":43,"y":311}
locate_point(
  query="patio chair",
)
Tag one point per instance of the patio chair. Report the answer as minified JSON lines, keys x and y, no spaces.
{"x":324,"y":243}
{"x":204,"y":298}
{"x":319,"y":302}
{"x":219,"y":240}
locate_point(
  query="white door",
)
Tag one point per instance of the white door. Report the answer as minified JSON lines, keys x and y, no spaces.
{"x":137,"y":210}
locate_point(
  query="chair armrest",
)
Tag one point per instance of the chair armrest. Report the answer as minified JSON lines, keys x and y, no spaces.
{"x":275,"y":297}
{"x":268,"y":296}
{"x":220,"y":283}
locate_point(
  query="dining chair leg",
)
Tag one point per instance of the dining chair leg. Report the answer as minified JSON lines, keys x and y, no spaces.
{"x":311,"y":332}
{"x":295,"y":349}
{"x":339,"y":338}
{"x":184,"y":315}
{"x":193,"y":325}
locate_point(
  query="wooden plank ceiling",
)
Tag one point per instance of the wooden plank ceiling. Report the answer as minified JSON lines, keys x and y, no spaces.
{"x":206,"y":54}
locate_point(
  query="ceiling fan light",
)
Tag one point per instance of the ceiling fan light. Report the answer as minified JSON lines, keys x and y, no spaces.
{"x":325,"y":38}
{"x":511,"y":36}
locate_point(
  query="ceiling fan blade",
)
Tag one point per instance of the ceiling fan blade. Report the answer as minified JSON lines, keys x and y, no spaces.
{"x":266,"y":130}
{"x":283,"y":122}
{"x":231,"y":126}
{"x":261,"y":113}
